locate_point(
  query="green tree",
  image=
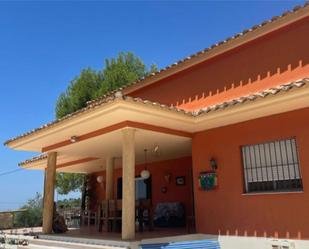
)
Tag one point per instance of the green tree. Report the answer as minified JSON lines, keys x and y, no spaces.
{"x":80,"y":90}
{"x":124,"y":69}
{"x":69,"y":203}
{"x":67,"y":182}
{"x":33,"y":216}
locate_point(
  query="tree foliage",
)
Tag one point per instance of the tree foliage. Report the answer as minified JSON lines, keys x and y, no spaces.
{"x":80,"y":90}
{"x":33,"y":216}
{"x":124,"y":69}
{"x":69,"y":203}
{"x":67,"y":182}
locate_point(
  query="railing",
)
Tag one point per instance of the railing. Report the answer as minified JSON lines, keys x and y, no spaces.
{"x":71,"y":216}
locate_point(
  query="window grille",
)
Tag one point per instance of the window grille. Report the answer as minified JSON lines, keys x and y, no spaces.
{"x":272,"y":166}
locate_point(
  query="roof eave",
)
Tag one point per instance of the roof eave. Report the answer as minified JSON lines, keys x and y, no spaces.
{"x":222,"y":47}
{"x":123,"y":103}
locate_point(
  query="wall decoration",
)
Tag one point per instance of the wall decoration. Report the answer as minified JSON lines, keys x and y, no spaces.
{"x":180,"y":181}
{"x":208,"y":180}
{"x":168,"y":177}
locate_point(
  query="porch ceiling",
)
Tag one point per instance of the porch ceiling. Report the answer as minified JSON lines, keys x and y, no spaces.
{"x":89,"y":155}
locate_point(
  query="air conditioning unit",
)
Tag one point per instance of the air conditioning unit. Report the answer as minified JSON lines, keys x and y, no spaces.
{"x":281,"y":244}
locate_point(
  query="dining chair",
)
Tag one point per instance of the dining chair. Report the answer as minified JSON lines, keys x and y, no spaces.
{"x":103,"y":216}
{"x":87,"y":217}
{"x":114,"y":216}
{"x":144,"y":214}
{"x":118,"y":214}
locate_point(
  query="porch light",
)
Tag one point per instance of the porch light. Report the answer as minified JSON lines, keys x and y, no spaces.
{"x":213,"y":163}
{"x":73,"y":139}
{"x":145,"y":174}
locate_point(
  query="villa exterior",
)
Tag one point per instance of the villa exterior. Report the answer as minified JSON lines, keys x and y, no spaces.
{"x":226,"y":133}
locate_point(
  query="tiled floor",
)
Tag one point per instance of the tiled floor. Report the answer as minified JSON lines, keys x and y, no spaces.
{"x":92,"y":233}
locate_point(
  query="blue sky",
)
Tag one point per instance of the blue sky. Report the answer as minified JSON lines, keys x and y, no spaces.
{"x":43,"y":45}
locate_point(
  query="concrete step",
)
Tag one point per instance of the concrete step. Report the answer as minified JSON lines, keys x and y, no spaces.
{"x":51,"y":244}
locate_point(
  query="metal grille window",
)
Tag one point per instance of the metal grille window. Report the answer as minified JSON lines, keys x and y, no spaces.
{"x":272,"y":166}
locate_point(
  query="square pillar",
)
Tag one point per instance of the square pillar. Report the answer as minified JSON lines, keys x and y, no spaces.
{"x":49,"y":191}
{"x":128,"y":184}
{"x":109,"y":189}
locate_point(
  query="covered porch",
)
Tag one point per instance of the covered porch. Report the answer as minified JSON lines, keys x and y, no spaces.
{"x":115,"y":160}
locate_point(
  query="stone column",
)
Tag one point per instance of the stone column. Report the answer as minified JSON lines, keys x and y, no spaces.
{"x":49,"y":191}
{"x":109,"y":189}
{"x":128,"y":184}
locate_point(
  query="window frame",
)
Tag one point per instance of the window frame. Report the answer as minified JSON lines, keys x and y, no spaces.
{"x":246,"y":190}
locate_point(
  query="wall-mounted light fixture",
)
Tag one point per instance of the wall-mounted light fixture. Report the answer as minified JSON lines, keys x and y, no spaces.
{"x":73,"y":139}
{"x":100,"y":181}
{"x":213,"y":163}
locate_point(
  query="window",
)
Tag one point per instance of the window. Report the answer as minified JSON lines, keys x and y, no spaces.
{"x":272,"y":166}
{"x":142,"y":188}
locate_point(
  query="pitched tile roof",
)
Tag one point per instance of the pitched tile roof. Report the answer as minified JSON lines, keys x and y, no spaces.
{"x":90,"y":107}
{"x":206,"y":50}
{"x":118,"y":96}
{"x":34,"y":159}
{"x":252,"y":97}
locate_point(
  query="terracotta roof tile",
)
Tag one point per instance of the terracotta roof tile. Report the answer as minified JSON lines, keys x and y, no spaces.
{"x":92,"y":106}
{"x":254,"y":96}
{"x":221,"y":106}
{"x":34,"y":159}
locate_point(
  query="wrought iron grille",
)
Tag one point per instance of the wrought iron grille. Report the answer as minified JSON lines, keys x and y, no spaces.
{"x":272,"y":166}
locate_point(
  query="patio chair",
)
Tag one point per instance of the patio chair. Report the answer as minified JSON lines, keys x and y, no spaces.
{"x":114,"y":214}
{"x":119,"y":208}
{"x":144,"y":214}
{"x":103,"y":216}
{"x":87,"y":216}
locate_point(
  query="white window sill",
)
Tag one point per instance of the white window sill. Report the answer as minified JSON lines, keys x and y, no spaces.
{"x":273,"y":193}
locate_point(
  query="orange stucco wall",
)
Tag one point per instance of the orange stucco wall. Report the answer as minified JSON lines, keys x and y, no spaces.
{"x":177,"y":167}
{"x":277,"y":58}
{"x":227,"y":210}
